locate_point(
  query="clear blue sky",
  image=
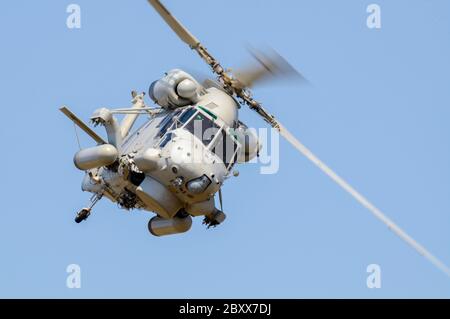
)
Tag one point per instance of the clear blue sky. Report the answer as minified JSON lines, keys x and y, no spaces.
{"x":377,"y":113}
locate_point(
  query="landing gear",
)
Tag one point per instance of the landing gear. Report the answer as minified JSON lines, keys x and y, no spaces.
{"x":85,"y":212}
{"x":214,"y":219}
{"x":82,"y":215}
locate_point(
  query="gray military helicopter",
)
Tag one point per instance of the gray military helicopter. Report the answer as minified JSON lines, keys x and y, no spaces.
{"x":178,"y":160}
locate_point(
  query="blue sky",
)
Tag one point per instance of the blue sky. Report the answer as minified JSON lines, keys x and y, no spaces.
{"x":377,"y":113}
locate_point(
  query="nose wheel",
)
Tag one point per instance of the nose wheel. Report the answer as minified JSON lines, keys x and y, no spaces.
{"x":85,"y":212}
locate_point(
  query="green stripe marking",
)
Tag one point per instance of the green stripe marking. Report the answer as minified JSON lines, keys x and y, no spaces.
{"x":214,"y":116}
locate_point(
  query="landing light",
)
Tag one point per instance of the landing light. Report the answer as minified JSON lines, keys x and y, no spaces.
{"x":198,"y":185}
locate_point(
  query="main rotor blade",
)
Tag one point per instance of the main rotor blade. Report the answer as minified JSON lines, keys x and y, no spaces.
{"x":191,"y":40}
{"x":362,"y":200}
{"x":176,"y":26}
{"x":267,"y":65}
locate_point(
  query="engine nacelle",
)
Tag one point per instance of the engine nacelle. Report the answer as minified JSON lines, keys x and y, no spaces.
{"x":176,"y":89}
{"x":162,"y":227}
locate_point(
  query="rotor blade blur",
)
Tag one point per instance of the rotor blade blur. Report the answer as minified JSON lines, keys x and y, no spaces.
{"x":176,"y":26}
{"x":363,"y":201}
{"x":269,"y":65}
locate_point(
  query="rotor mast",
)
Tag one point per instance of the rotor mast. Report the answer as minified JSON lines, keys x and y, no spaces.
{"x":229,"y":84}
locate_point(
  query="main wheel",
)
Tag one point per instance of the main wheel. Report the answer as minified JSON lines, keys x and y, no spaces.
{"x":82,"y":215}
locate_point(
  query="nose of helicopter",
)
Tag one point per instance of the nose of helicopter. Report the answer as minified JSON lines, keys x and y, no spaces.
{"x":192,"y":162}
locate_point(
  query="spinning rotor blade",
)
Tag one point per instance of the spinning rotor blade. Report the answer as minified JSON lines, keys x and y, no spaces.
{"x":229,"y":84}
{"x":189,"y":39}
{"x":176,"y":26}
{"x":274,"y":65}
{"x":363,"y":201}
{"x":270,"y":65}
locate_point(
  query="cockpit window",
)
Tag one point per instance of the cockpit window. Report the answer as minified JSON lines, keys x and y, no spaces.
{"x":225,"y":148}
{"x":167,"y":122}
{"x":203,"y":128}
{"x":187,"y":114}
{"x":165,"y":140}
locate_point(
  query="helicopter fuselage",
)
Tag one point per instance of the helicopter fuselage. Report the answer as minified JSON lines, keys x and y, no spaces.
{"x":175,"y":163}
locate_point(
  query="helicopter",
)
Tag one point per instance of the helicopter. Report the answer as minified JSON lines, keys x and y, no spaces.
{"x":178,"y":160}
{"x":175,"y":164}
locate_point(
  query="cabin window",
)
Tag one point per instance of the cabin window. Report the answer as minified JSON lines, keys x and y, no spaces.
{"x":165,"y":140}
{"x":202,"y":128}
{"x":186,"y":115}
